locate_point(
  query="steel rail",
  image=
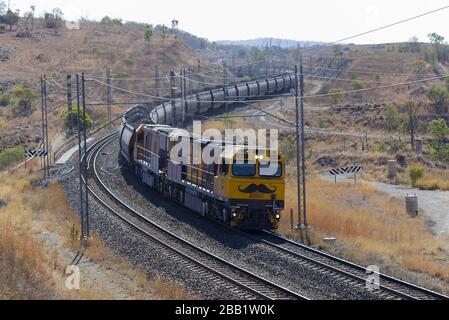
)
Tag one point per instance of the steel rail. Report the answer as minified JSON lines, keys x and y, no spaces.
{"x":417,"y":292}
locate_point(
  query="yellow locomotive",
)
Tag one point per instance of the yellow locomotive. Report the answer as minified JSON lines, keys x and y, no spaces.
{"x":244,"y":187}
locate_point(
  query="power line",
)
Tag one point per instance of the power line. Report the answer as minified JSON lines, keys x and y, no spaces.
{"x":310,"y":96}
{"x":381,"y":28}
{"x":377,"y":88}
{"x":369,"y":72}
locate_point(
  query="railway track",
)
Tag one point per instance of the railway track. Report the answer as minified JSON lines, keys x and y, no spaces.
{"x":342,"y":270}
{"x":241,"y":282}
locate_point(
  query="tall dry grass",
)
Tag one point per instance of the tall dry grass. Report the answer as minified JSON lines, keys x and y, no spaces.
{"x":25,"y":269}
{"x":371,"y":227}
{"x":433,"y":184}
{"x":33,"y":267}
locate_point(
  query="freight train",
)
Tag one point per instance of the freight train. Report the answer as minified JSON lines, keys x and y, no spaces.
{"x":246,"y":194}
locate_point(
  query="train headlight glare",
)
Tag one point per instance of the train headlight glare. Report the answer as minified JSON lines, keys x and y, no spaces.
{"x":278,"y":216}
{"x":234,"y":214}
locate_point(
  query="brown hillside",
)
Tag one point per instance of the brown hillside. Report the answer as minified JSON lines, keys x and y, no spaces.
{"x":92,"y":50}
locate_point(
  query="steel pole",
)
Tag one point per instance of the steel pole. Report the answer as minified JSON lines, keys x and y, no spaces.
{"x":298,"y":147}
{"x":181,"y":82}
{"x":69,"y":106}
{"x":225,"y":83}
{"x":85,"y":154}
{"x":172,"y":94}
{"x":46,"y":143}
{"x":80,"y":155}
{"x":157,"y":81}
{"x":303,"y":145}
{"x":109,"y":96}
{"x":43,"y":124}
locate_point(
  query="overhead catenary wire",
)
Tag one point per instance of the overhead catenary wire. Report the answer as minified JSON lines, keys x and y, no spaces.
{"x":307,"y":96}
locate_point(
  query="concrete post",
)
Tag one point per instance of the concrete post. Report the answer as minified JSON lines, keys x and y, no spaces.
{"x":411,"y":205}
{"x":419,"y":145}
{"x":392,"y":169}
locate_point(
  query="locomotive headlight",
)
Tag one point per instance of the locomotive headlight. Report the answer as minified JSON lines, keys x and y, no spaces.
{"x":278,"y":216}
{"x":234,"y":214}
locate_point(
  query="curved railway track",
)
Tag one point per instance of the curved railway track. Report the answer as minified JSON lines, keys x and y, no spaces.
{"x":242,"y":283}
{"x":342,"y":270}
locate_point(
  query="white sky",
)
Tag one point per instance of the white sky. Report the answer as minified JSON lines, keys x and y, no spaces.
{"x":320,"y":20}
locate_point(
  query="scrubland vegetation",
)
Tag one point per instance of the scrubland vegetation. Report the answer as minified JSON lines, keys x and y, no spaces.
{"x":371,"y":228}
{"x":40,"y":238}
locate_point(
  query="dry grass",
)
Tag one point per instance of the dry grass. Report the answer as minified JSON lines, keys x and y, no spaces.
{"x":371,"y":227}
{"x":433,"y":184}
{"x":39,"y":238}
{"x":169,"y":291}
{"x":26,"y":272}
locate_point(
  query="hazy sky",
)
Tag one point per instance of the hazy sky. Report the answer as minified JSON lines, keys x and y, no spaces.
{"x":322,"y":20}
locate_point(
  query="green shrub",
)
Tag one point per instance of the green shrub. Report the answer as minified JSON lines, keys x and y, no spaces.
{"x":70,"y":118}
{"x":439,"y":132}
{"x":129,"y":62}
{"x":122,"y":75}
{"x":10,"y":156}
{"x":23,"y":99}
{"x":416,"y":173}
{"x":357,"y":85}
{"x":337,"y":95}
{"x":4,"y":100}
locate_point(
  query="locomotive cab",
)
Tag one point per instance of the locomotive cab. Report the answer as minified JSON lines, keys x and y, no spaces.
{"x":253,"y":187}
